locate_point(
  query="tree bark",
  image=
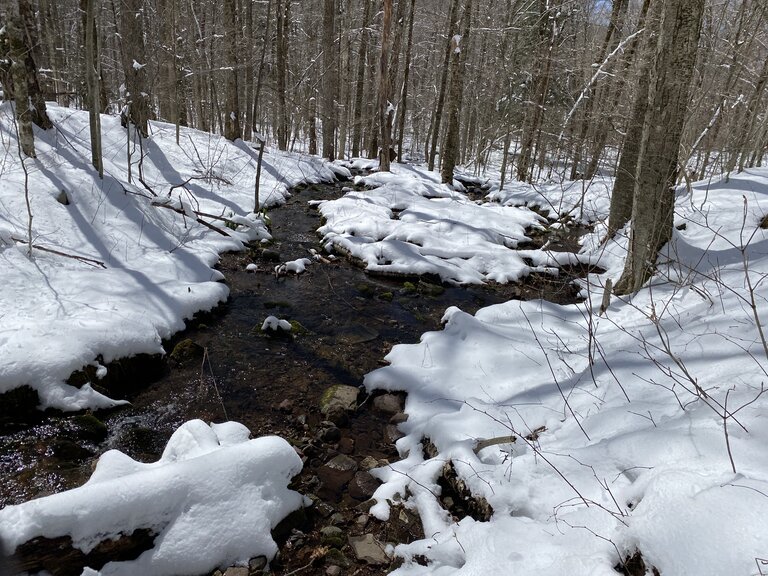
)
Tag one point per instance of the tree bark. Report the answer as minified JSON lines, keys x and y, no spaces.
{"x":92,"y":80}
{"x":330,"y":80}
{"x":385,"y":113}
{"x":653,"y":206}
{"x":232,"y":129}
{"x":402,"y":107}
{"x":362,"y":55}
{"x":459,"y":45}
{"x":18,"y":69}
{"x":136,"y":109}
{"x":443,"y":82}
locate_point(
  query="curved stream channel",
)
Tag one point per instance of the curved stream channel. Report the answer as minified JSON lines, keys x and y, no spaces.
{"x":272,"y":385}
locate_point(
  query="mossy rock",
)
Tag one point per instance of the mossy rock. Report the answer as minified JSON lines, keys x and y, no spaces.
{"x":336,"y":557}
{"x":430,"y":289}
{"x":90,"y":427}
{"x":409,"y":287}
{"x":298,"y":329}
{"x":386,"y":296}
{"x":186,"y":350}
{"x":366,"y":290}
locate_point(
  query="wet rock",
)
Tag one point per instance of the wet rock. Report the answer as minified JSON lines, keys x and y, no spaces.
{"x":63,"y":198}
{"x":186,"y":351}
{"x":398,"y":418}
{"x":369,"y":463}
{"x":333,"y":571}
{"x":337,"y":401}
{"x":336,"y":474}
{"x":70,"y":451}
{"x":336,"y":519}
{"x":363,"y":485}
{"x":346,"y":445}
{"x":367,"y":549}
{"x":257,"y":565}
{"x":392,"y":433}
{"x":328,"y":432}
{"x":89,"y":427}
{"x":335,"y":557}
{"x":387,"y":404}
{"x":295,"y":521}
{"x":237,"y":571}
{"x":362,"y":520}
{"x":332,"y":536}
{"x":286,"y":405}
{"x":271,"y":255}
{"x":19,"y":406}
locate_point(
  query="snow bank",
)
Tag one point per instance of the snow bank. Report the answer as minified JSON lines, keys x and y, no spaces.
{"x":619,"y":420}
{"x":212,"y":499}
{"x":410,"y":223}
{"x":58,"y":314}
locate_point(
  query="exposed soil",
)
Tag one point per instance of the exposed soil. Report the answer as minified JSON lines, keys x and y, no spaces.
{"x":345,"y":323}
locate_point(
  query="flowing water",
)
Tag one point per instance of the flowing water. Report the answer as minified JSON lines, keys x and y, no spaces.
{"x":346,"y":322}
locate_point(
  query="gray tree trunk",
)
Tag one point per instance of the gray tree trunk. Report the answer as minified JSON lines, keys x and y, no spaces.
{"x":18,"y":69}
{"x":135,"y":66}
{"x":232,"y":129}
{"x":92,"y":80}
{"x":653,"y":206}
{"x":460,"y":44}
{"x":385,"y":116}
{"x":330,"y":79}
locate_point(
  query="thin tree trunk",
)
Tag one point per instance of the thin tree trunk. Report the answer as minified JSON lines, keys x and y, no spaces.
{"x":92,"y":80}
{"x":232,"y":129}
{"x":385,"y":113}
{"x":330,"y":79}
{"x":403,"y":105}
{"x":443,"y":82}
{"x":362,"y":54}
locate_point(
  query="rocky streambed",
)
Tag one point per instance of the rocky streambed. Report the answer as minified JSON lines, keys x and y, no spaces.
{"x":303,"y":385}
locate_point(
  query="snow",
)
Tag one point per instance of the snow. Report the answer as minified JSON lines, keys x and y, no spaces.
{"x":294,"y":266}
{"x":211,"y":499}
{"x":410,"y":223}
{"x":627,"y":455}
{"x":274,"y":323}
{"x":58,"y":314}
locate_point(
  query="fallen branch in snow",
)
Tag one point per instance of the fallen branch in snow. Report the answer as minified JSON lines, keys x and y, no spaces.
{"x":482,"y":444}
{"x":83,"y":259}
{"x":161,"y":204}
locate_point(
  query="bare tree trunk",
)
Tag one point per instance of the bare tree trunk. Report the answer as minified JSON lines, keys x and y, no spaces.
{"x":652,"y":210}
{"x":459,"y":45}
{"x":623,"y":193}
{"x":135,"y":66}
{"x":330,"y":79}
{"x":232,"y":129}
{"x":362,"y":55}
{"x":31,"y":57}
{"x":403,"y":105}
{"x":385,"y":113}
{"x":443,"y":82}
{"x":260,"y":76}
{"x":92,"y":80}
{"x":17,"y":52}
{"x":282,"y":71}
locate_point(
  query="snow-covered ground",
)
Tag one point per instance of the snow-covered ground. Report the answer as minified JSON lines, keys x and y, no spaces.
{"x":58,"y":314}
{"x":210,"y":501}
{"x":643,"y":428}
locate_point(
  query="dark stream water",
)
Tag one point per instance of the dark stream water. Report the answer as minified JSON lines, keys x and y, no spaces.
{"x":350,"y":320}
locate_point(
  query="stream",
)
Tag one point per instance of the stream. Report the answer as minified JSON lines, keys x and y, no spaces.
{"x":225,"y":367}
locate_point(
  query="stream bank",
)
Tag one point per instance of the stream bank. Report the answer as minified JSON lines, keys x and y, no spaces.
{"x":223,"y":367}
